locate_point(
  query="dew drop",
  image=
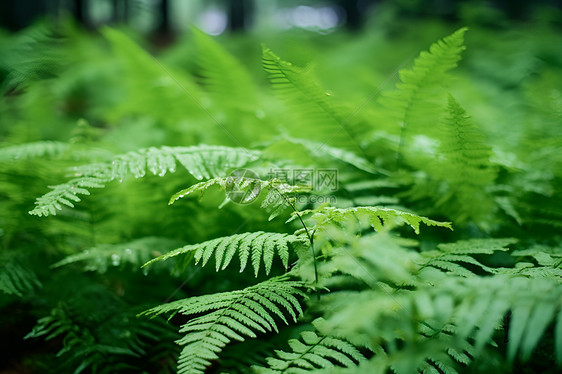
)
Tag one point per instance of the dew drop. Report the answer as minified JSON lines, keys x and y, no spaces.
{"x":115,"y":259}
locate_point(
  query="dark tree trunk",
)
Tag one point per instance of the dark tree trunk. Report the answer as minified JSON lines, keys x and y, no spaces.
{"x":239,"y":14}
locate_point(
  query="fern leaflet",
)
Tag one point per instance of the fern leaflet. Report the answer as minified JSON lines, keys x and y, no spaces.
{"x":313,"y":351}
{"x":276,"y":199}
{"x":378,"y":218}
{"x":474,"y":307}
{"x":253,"y":246}
{"x":145,"y":79}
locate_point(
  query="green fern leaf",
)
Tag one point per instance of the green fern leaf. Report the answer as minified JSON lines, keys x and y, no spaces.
{"x":255,"y":245}
{"x":28,"y":151}
{"x":463,"y":309}
{"x":312,"y":106}
{"x":230,"y":316}
{"x":484,"y":302}
{"x":223,"y":75}
{"x":276,"y":199}
{"x":102,"y":257}
{"x":145,"y":78}
{"x":465,"y":166}
{"x":313,"y":351}
{"x":202,"y":162}
{"x":16,"y":279}
{"x":417,"y":103}
{"x":378,"y":218}
{"x":323,"y":151}
{"x":449,"y":255}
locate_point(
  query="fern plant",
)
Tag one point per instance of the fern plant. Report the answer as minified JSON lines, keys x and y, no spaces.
{"x":229,"y":316}
{"x":200,"y":162}
{"x":374,"y":280}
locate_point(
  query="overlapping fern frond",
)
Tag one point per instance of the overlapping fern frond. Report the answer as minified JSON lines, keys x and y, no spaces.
{"x":378,"y":218}
{"x":255,"y":246}
{"x":102,"y":339}
{"x":15,"y":278}
{"x":245,"y":190}
{"x":313,"y":351}
{"x":468,"y":309}
{"x":202,"y":162}
{"x":315,"y":111}
{"x":322,"y":151}
{"x":134,"y":253}
{"x":419,"y":100}
{"x":30,"y":56}
{"x":236,"y":315}
{"x":144,"y":78}
{"x":464,"y":163}
{"x":26,"y":151}
{"x":449,"y":257}
{"x":224,"y":77}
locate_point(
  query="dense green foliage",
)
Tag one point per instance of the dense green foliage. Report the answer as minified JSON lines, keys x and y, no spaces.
{"x":367,"y":229}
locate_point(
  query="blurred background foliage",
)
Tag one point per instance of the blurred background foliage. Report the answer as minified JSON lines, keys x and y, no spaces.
{"x":156,"y":78}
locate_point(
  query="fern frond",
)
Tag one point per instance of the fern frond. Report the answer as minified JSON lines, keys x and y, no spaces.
{"x":135,"y":253}
{"x":322,"y":151}
{"x":248,"y":189}
{"x":548,"y":263}
{"x":231,"y":315}
{"x":378,"y":218}
{"x":448,"y":256}
{"x":417,"y":103}
{"x":533,"y":307}
{"x":145,"y":78}
{"x":32,"y":55}
{"x":16,"y":279}
{"x":304,"y":98}
{"x":465,"y":166}
{"x":253,"y":246}
{"x":98,"y":333}
{"x":474,"y":306}
{"x":223,"y":75}
{"x":202,"y":162}
{"x":28,"y":151}
{"x":313,"y":351}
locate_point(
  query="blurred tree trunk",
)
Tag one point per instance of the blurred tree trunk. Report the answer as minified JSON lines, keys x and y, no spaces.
{"x":164,"y":27}
{"x":120,"y":11}
{"x":240,"y":13}
{"x":80,"y":11}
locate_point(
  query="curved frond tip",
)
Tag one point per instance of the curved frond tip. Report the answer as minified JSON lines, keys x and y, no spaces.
{"x":202,"y":162}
